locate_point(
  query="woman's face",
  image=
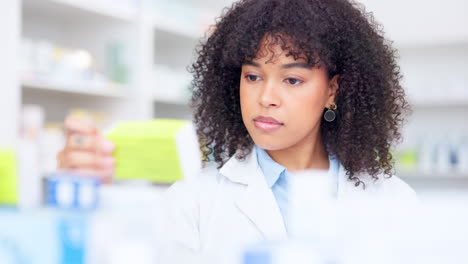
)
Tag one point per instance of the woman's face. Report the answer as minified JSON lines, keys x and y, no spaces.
{"x":282,"y":101}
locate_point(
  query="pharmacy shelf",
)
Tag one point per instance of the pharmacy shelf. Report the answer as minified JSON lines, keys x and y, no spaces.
{"x":434,"y":176}
{"x":436,"y":182}
{"x":179,"y":30}
{"x":74,"y":10}
{"x":172,"y":110}
{"x":170,"y":100}
{"x":91,"y":90}
{"x":450,"y":102}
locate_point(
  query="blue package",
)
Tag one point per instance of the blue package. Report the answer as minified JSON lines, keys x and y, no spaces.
{"x":72,"y":192}
{"x":72,"y":234}
{"x":42,"y":237}
{"x":257,"y":257}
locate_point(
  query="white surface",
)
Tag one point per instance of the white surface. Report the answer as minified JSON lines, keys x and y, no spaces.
{"x":161,"y":24}
{"x":189,"y":151}
{"x":422,"y":22}
{"x":436,"y":75}
{"x":76,"y":10}
{"x":9,"y":82}
{"x":29,"y":178}
{"x":127,"y":222}
{"x":433,"y":232}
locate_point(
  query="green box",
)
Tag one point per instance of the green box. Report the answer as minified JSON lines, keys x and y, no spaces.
{"x":147,"y":150}
{"x":8,"y":178}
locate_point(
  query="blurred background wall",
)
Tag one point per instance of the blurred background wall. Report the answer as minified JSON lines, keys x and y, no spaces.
{"x":433,"y":48}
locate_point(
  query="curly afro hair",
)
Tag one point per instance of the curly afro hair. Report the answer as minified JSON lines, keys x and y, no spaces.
{"x":338,"y":34}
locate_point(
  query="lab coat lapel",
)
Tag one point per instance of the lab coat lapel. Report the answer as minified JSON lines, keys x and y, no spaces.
{"x":259,"y":205}
{"x":257,"y":202}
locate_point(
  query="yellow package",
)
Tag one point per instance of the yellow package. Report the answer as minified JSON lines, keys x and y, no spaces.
{"x":8,"y":178}
{"x":147,"y":150}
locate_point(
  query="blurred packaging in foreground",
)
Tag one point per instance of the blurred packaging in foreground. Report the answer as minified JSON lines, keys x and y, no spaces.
{"x":367,"y":229}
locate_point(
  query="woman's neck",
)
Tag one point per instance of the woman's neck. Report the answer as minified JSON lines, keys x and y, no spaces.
{"x":309,"y":154}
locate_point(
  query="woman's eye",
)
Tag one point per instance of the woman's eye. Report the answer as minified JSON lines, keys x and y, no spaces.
{"x":252,"y":78}
{"x":293,"y":81}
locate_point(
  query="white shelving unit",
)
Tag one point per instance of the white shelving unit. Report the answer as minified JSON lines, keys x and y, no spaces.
{"x":437,"y":86}
{"x":10,"y":24}
{"x":149,"y":40}
{"x":107,"y":91}
{"x":436,"y":181}
{"x":162,"y":25}
{"x":77,"y":10}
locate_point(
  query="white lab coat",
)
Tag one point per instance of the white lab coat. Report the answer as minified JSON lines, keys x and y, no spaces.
{"x":212,"y":216}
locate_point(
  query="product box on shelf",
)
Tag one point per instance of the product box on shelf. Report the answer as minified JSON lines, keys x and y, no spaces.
{"x":160,"y":151}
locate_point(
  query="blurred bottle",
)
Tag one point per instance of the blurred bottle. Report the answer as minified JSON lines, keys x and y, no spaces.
{"x":283,"y":253}
{"x":427,"y":155}
{"x":52,"y":141}
{"x":443,"y":163}
{"x":462,"y":153}
{"x":118,"y":62}
{"x":407,"y":155}
{"x":30,"y":179}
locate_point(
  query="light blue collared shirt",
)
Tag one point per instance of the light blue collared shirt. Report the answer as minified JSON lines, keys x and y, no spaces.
{"x":277,"y":178}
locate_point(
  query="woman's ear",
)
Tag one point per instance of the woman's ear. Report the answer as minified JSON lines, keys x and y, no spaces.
{"x":332,"y":88}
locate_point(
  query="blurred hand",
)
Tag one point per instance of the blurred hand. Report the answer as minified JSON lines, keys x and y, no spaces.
{"x":86,"y":151}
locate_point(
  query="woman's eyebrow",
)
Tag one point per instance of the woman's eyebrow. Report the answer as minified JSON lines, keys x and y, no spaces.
{"x":297,"y":65}
{"x":284,"y":66}
{"x":251,"y":63}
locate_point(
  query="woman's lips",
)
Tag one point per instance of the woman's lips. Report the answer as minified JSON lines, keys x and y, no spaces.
{"x":267,"y":123}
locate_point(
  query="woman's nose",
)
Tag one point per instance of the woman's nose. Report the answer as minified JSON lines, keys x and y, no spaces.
{"x":269,"y":96}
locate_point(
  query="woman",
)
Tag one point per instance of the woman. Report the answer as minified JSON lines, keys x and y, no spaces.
{"x":281,"y":86}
